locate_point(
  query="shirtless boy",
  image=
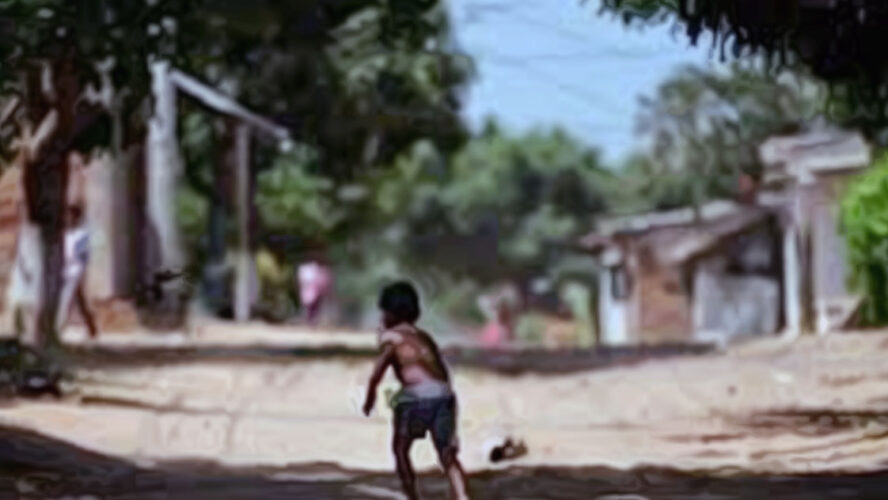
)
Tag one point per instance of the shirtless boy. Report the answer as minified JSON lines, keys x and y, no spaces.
{"x":426,"y":402}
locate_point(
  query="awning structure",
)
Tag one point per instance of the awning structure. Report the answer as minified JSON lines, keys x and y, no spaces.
{"x":164,"y":170}
{"x":802,"y":157}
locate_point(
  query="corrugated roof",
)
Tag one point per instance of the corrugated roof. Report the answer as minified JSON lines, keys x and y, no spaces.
{"x":701,"y":239}
{"x":676,"y":236}
{"x":653,"y":220}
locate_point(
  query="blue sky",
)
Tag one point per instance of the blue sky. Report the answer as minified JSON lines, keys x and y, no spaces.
{"x":558,"y":62}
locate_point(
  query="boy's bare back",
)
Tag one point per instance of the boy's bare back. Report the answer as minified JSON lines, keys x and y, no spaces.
{"x":417,"y":359}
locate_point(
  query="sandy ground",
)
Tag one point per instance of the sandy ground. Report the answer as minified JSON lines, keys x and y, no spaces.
{"x":816,"y":405}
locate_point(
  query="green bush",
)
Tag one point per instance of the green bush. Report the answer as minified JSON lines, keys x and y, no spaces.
{"x":530,"y":328}
{"x":864,"y":220}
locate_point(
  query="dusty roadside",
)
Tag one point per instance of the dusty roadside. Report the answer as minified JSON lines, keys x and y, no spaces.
{"x":817,"y":405}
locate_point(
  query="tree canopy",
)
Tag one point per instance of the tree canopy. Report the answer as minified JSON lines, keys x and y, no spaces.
{"x":840,"y":42}
{"x":359,"y":78}
{"x":702,"y":128}
{"x":865,"y":225}
{"x":499,"y":198}
{"x":356,"y":81}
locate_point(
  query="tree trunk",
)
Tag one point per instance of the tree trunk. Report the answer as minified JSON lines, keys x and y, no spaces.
{"x":45,"y":179}
{"x":215,"y":272}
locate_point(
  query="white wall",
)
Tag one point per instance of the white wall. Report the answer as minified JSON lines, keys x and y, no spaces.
{"x":728,"y":307}
{"x":613,"y":313}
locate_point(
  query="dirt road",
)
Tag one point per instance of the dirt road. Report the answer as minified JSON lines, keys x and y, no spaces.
{"x":816,"y":406}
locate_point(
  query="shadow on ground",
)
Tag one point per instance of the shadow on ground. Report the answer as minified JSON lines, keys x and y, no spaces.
{"x":503,"y":361}
{"x":34,"y":466}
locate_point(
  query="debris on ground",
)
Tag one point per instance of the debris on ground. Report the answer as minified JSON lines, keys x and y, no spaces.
{"x":24,"y":372}
{"x":508,"y":450}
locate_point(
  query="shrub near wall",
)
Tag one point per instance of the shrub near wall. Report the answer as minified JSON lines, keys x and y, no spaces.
{"x":864,"y":222}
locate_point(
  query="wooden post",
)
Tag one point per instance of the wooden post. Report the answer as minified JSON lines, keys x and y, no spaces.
{"x":242,"y":200}
{"x":163,"y":169}
{"x":797,"y":264}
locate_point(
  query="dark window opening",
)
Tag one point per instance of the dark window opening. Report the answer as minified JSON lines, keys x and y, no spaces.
{"x":620,"y":283}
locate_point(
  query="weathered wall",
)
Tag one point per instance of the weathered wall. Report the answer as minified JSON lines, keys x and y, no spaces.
{"x":9,"y":199}
{"x":665,"y":314}
{"x":729,"y":306}
{"x":737,"y":290}
{"x":832,"y":298}
{"x":10,"y":196}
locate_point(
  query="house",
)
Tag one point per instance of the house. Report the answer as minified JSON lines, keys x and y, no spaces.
{"x":732,"y":269}
{"x":676,"y":277}
{"x":813,"y":170}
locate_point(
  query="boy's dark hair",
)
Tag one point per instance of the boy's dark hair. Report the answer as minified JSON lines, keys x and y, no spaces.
{"x":400,"y":301}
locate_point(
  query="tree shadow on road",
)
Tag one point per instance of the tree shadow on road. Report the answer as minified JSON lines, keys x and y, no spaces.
{"x":36,"y":466}
{"x":510,"y":362}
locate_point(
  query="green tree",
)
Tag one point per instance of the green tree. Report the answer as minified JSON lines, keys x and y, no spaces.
{"x":455,"y":222}
{"x":361,"y":78}
{"x":703,"y":129}
{"x":838,"y":42}
{"x":52,"y":53}
{"x":864,"y":220}
{"x":491,"y":213}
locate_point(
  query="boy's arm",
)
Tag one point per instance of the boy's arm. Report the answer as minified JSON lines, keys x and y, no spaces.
{"x":382,"y":363}
{"x":441,"y":364}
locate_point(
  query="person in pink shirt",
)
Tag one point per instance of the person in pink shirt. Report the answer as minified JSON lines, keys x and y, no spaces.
{"x":499,"y":329}
{"x":314,"y":284}
{"x":498,"y":307}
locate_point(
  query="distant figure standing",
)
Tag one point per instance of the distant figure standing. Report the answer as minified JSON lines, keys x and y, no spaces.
{"x":314,"y":284}
{"x":76,"y":249}
{"x":499,"y":329}
{"x":498,"y":307}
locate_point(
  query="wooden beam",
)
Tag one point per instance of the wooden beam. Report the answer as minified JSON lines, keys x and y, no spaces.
{"x":242,"y":198}
{"x":221,"y":103}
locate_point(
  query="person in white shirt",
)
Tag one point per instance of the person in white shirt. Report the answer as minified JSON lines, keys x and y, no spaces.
{"x":76,"y":249}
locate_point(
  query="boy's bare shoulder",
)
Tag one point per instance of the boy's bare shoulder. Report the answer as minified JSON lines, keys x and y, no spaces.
{"x":393,"y":336}
{"x":400,"y":334}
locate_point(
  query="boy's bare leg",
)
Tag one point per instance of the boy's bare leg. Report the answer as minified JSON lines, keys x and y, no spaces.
{"x":86,"y":312}
{"x":457,"y":478}
{"x":401,"y":448}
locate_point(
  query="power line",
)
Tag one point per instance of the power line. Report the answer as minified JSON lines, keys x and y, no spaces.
{"x":553,"y":28}
{"x":548,"y":78}
{"x":555,"y":56}
{"x":474,"y":12}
